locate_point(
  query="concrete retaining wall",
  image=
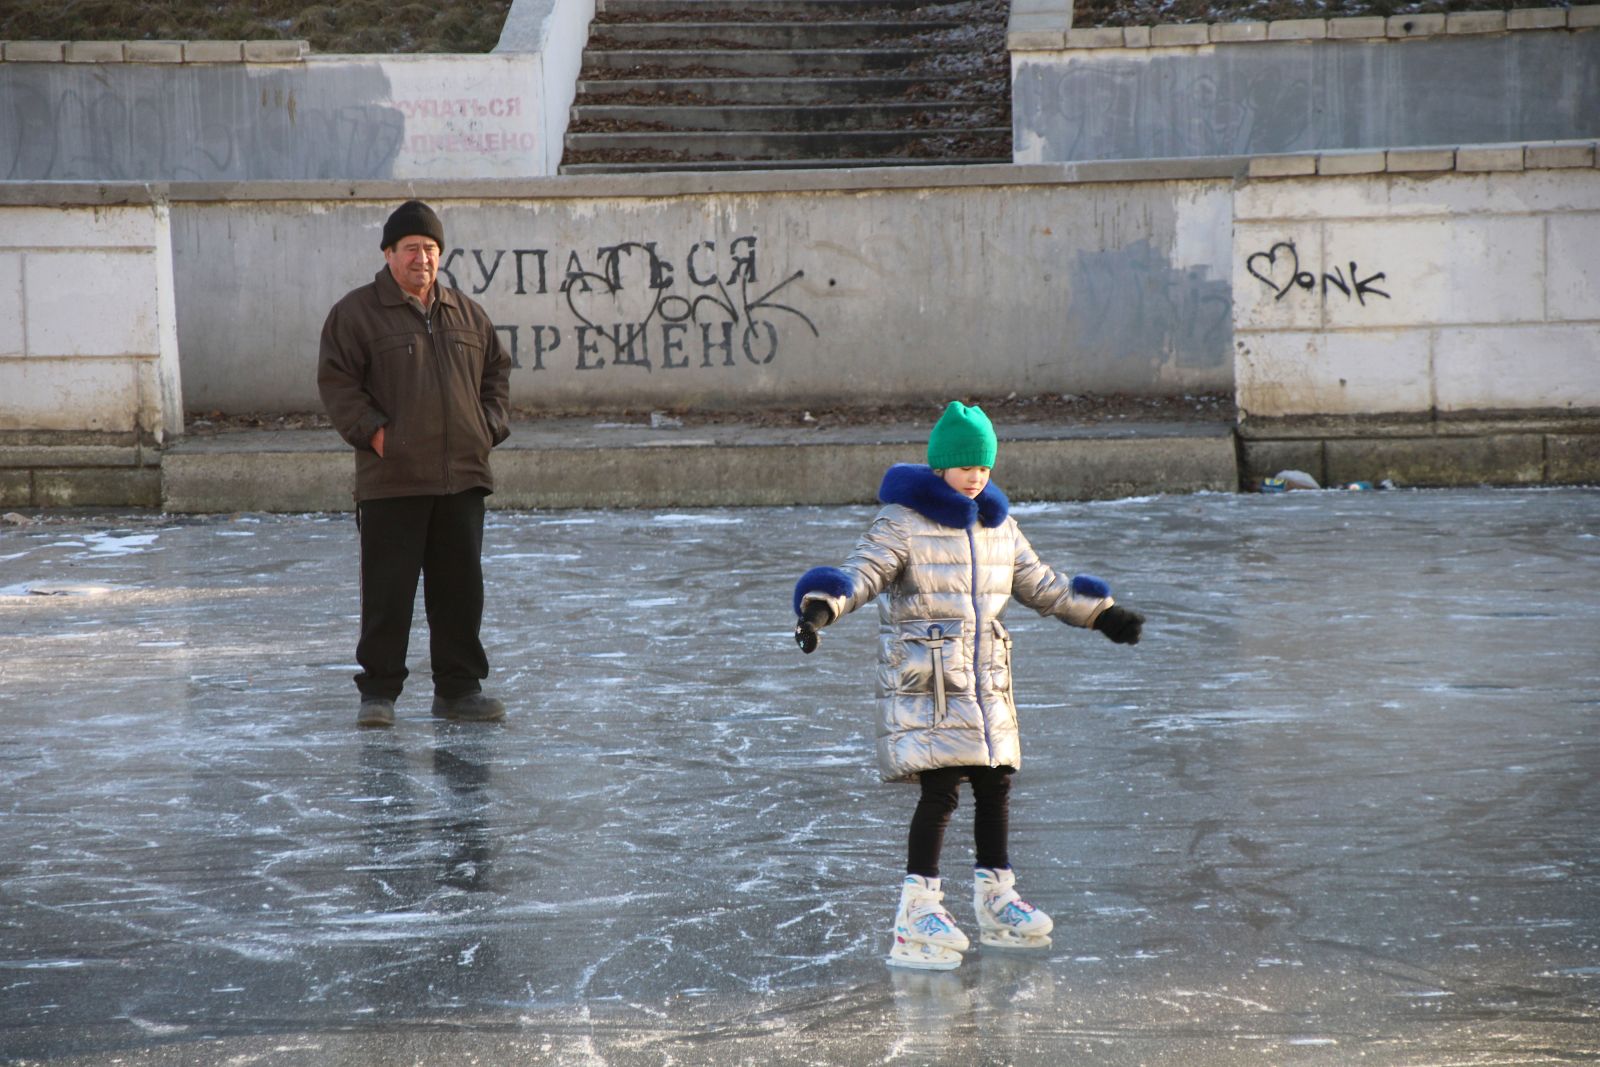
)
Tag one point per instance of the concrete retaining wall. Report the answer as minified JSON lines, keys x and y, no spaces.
{"x":1301,"y":85}
{"x":262,"y":110}
{"x":88,"y":327}
{"x":771,"y":289}
{"x":1473,"y":289}
{"x":1427,"y":316}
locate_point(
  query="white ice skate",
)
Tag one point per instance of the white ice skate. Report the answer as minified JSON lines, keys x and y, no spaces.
{"x":926,"y":937}
{"x":1005,"y":920}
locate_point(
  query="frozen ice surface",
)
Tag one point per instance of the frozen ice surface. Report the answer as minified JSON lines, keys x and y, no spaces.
{"x":1340,"y":805}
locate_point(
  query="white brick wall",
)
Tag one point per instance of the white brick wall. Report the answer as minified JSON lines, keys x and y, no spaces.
{"x":1466,"y":292}
{"x":87,"y":340}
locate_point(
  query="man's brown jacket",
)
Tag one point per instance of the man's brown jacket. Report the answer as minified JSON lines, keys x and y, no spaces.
{"x":439,"y":385}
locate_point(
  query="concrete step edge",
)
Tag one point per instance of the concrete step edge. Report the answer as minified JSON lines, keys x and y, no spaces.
{"x":665,"y":138}
{"x":697,"y":471}
{"x":755,"y":165}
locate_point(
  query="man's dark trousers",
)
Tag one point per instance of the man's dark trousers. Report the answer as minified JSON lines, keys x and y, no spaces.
{"x":440,"y":539}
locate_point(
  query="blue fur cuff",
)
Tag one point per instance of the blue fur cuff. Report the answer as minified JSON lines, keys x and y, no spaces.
{"x":830,"y":580}
{"x":1089,"y":585}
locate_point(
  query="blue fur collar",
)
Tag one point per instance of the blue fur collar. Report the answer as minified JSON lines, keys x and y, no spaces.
{"x":918,"y":488}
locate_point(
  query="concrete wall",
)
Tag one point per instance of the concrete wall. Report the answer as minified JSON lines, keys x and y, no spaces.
{"x":1304,"y":85}
{"x":555,"y":32}
{"x":772,"y":289}
{"x":1472,"y":288}
{"x":88,"y":332}
{"x":263,"y":110}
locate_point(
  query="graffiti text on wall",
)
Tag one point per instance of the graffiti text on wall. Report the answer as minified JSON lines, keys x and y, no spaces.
{"x":1278,"y":268}
{"x":631,"y":306}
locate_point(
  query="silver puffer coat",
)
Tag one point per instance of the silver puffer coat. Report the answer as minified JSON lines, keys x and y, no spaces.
{"x":943,"y":568}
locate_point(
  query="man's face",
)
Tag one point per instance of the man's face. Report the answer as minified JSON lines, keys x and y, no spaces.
{"x":414,"y":262}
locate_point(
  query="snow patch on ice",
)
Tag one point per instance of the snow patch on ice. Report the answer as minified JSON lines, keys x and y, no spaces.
{"x":113,"y":545}
{"x":676,"y":519}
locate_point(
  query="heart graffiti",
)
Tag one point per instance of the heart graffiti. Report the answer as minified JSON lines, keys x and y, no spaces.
{"x":1303,"y":278}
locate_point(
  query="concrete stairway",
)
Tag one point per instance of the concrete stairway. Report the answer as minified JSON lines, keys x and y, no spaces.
{"x":772,"y":84}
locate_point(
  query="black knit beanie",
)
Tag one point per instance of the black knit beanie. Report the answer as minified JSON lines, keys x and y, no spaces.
{"x":413,"y":217}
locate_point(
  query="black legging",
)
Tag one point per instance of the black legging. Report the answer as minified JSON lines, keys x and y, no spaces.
{"x":991,"y":792}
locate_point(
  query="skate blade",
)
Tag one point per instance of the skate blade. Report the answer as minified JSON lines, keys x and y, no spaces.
{"x":921,"y":956}
{"x":1007,"y":939}
{"x":934,"y":963}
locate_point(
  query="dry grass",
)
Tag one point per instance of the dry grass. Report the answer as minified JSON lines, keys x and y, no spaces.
{"x":361,"y":26}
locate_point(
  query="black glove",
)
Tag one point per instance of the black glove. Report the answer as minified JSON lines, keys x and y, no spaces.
{"x":1122,"y":625}
{"x":807,"y":632}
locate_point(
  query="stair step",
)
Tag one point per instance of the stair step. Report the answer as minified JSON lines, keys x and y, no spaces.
{"x":769,"y":35}
{"x":642,"y":167}
{"x":815,"y":118}
{"x":757,"y":61}
{"x":672,"y":144}
{"x":784,"y":90}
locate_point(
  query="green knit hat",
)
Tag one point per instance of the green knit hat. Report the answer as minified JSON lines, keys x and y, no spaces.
{"x":963,"y":437}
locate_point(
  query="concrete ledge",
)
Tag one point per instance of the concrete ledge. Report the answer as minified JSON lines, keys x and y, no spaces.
{"x":214,"y":479}
{"x":1475,"y":22}
{"x":1554,"y":157}
{"x":13,"y":457}
{"x":275,"y":51}
{"x":77,"y":488}
{"x":1297,"y":30}
{"x":1179,"y":34}
{"x":1038,"y":25}
{"x":16,"y":489}
{"x":79,"y":475}
{"x":1536,"y":18}
{"x":542,"y":467}
{"x":1404,"y":26}
{"x":1468,"y":159}
{"x":1349,"y":29}
{"x":1099,"y":37}
{"x":35,"y":51}
{"x":1489,"y":158}
{"x":575,"y":464}
{"x":1505,"y":459}
{"x":1553,"y":450}
{"x":1414,"y":160}
{"x":1572,"y":459}
{"x":94,"y":52}
{"x":1283,"y":166}
{"x":1237,"y":32}
{"x":1396,"y":27}
{"x":619,"y":186}
{"x":1332,"y":163}
{"x":213,"y":51}
{"x":153,"y":51}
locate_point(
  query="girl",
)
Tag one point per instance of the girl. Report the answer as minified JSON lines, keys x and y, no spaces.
{"x":947,"y":557}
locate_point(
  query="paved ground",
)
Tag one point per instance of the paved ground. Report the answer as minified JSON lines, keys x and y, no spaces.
{"x":1338,"y":807}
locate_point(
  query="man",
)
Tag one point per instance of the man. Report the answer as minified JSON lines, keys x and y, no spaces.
{"x":414,"y":376}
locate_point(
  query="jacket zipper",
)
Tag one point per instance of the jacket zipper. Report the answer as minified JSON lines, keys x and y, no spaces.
{"x":936,"y":643}
{"x":444,"y":400}
{"x":977,"y":647}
